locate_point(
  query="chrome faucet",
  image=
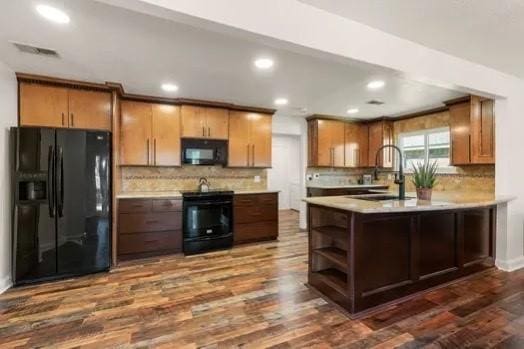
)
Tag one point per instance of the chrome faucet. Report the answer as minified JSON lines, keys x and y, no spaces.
{"x":399,"y":176}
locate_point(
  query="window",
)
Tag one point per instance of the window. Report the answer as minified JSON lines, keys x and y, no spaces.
{"x":427,"y":145}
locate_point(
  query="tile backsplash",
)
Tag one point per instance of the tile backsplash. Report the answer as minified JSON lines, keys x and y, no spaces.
{"x":466,"y":178}
{"x":186,"y":177}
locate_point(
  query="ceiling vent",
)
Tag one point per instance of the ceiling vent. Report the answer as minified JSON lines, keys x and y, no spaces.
{"x":375,"y":102}
{"x":35,"y":50}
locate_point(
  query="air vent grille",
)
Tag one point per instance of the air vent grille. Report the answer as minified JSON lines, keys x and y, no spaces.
{"x":375,"y":102}
{"x":35,"y":50}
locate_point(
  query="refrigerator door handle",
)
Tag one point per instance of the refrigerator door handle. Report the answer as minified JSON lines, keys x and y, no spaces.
{"x":50,"y":181}
{"x":60,"y":180}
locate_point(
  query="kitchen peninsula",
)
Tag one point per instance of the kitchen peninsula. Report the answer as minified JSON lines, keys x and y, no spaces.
{"x":369,"y":250}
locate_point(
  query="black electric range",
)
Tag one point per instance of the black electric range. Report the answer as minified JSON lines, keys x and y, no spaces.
{"x":207,"y":220}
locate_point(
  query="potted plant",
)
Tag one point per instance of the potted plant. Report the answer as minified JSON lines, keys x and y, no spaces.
{"x":424,"y":178}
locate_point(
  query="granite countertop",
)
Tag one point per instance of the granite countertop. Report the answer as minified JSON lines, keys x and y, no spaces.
{"x":177,"y":194}
{"x":347,"y":186}
{"x":440,"y":201}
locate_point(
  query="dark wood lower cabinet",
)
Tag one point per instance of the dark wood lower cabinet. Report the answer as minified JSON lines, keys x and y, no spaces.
{"x":149,"y":227}
{"x":255,"y":217}
{"x":361,"y":261}
{"x":312,"y":191}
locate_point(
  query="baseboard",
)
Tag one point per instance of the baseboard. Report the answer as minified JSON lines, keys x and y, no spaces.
{"x":5,"y":283}
{"x":511,"y":265}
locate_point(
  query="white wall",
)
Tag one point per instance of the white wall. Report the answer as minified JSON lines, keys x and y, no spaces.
{"x":8,"y":118}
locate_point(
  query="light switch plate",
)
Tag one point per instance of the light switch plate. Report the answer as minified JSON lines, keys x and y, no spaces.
{"x":257,"y":179}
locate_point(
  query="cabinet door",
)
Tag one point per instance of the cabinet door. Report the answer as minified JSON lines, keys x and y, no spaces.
{"x":193,"y":122}
{"x":312,"y":143}
{"x":217,"y":123}
{"x":352,"y":147}
{"x":363,"y":143}
{"x":89,"y":109}
{"x":260,"y":133}
{"x":460,"y":134}
{"x":387,"y":138}
{"x":324,"y":148}
{"x":375,"y":142}
{"x":135,"y":137}
{"x":239,"y":139}
{"x":337,"y":143}
{"x":42,"y":105}
{"x":482,"y":131}
{"x":165,"y":135}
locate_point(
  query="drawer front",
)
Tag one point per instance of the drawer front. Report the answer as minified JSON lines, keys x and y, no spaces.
{"x":167,"y":205}
{"x":150,"y":242}
{"x":270,"y":199}
{"x":149,"y":222}
{"x":253,"y":214}
{"x":255,"y":231}
{"x":134,"y":205}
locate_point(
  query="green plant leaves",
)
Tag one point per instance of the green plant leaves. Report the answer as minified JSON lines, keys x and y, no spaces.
{"x":424,"y":174}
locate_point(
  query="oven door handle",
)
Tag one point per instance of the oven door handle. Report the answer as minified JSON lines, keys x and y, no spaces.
{"x":208,"y":203}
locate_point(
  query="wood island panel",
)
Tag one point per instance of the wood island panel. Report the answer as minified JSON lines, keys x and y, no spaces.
{"x":391,"y":256}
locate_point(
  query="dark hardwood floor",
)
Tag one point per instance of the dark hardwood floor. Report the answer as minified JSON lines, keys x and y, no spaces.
{"x":251,"y":296}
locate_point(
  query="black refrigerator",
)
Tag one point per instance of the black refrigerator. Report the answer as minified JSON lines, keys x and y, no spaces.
{"x":61,"y":203}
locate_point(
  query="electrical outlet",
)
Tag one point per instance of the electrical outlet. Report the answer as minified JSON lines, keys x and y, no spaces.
{"x":257,"y":179}
{"x":316,"y":175}
{"x":309,"y":177}
{"x":390,"y":177}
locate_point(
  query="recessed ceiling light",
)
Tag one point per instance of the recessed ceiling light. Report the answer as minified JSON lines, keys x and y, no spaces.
{"x":264,"y":63}
{"x":352,"y":110}
{"x":169,"y":87}
{"x":281,"y":101}
{"x":53,"y":14}
{"x":376,"y":84}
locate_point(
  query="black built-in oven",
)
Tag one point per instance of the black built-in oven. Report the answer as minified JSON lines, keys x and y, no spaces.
{"x":204,"y":152}
{"x":207,"y":221}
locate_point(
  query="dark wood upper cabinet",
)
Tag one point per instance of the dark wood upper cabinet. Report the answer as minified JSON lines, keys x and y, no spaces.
{"x":204,"y":122}
{"x":165,"y":134}
{"x":380,"y":133}
{"x":326,"y":143}
{"x":472,"y":125}
{"x":43,"y":105}
{"x":52,"y":106}
{"x":249,"y":139}
{"x":135,"y":133}
{"x":150,"y":134}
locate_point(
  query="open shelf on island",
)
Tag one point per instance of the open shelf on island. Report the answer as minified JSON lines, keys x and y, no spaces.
{"x":335,"y":255}
{"x":333,"y":232}
{"x":335,"y":279}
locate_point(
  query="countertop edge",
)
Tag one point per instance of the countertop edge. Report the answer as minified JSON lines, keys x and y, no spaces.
{"x":178,"y":195}
{"x":443,"y":207}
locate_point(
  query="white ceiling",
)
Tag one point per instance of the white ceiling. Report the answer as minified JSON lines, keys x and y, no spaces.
{"x":488,"y":32}
{"x":105,"y":43}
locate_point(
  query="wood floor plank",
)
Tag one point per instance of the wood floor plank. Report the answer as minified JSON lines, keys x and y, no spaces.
{"x":253,"y":296}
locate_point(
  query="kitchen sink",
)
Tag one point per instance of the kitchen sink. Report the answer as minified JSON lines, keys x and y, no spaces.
{"x":378,"y":197}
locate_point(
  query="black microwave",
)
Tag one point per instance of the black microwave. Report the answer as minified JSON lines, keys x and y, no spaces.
{"x":204,"y":152}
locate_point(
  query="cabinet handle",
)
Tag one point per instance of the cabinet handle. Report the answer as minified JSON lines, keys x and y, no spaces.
{"x":203,"y":131}
{"x":147,"y":148}
{"x":154,"y":150}
{"x":72,"y":120}
{"x":253,"y":157}
{"x":248,"y":156}
{"x":209,"y":131}
{"x":62,"y":119}
{"x":469,"y":148}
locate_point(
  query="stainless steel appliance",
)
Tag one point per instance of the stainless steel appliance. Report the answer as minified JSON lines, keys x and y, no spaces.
{"x":61,"y":203}
{"x":207,"y":220}
{"x":204,"y":152}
